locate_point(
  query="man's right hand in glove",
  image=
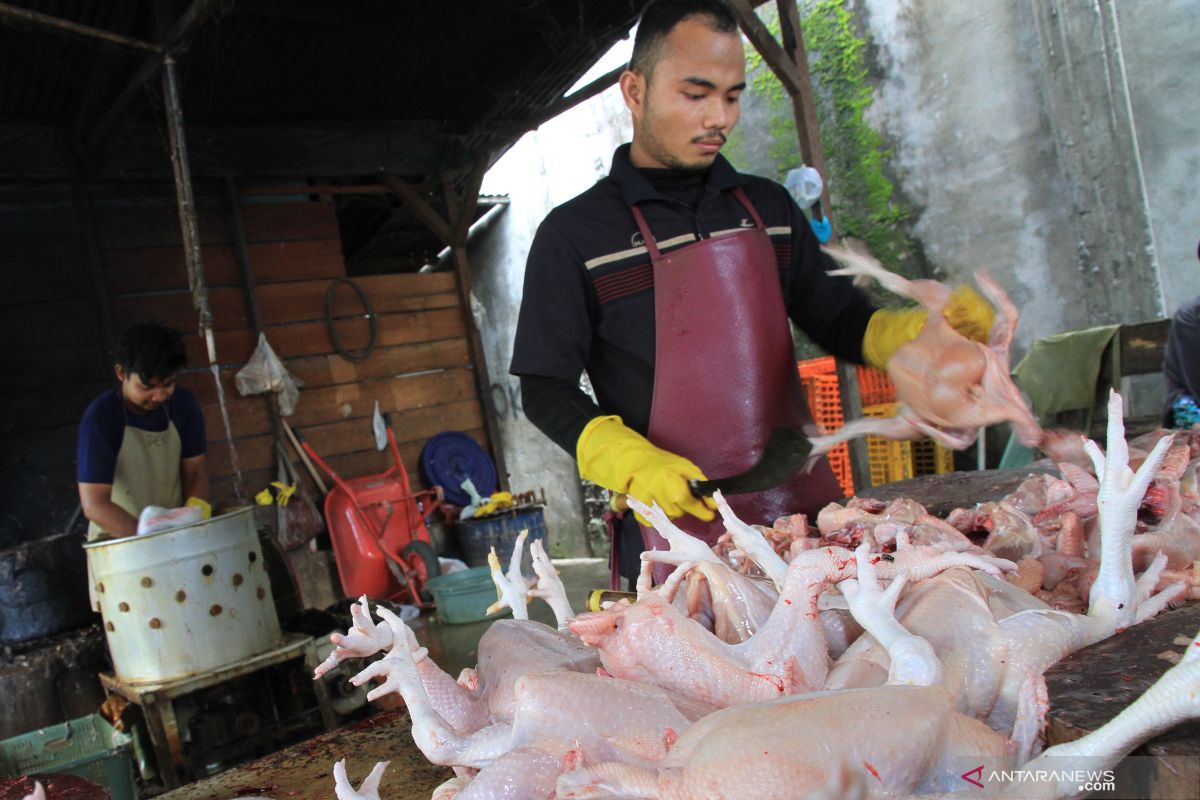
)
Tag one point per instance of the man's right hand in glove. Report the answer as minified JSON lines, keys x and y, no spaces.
{"x":622,"y":460}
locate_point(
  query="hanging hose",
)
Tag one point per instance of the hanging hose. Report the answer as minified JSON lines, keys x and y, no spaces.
{"x":364,"y":353}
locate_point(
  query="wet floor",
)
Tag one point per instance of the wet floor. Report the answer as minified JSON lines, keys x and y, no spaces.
{"x":453,"y":647}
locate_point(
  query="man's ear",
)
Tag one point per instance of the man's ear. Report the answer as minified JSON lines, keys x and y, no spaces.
{"x":120,"y":371}
{"x":633,"y":90}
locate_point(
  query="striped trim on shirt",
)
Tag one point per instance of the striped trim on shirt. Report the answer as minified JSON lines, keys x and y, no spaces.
{"x":626,"y":280}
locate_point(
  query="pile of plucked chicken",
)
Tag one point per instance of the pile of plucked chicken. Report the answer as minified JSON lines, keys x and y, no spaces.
{"x":876,"y":651}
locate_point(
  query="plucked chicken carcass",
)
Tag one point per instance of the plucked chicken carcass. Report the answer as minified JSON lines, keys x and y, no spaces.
{"x":652,"y":641}
{"x":507,"y":650}
{"x":900,"y":741}
{"x":947,"y":385}
{"x":951,"y":660}
{"x":996,"y":640}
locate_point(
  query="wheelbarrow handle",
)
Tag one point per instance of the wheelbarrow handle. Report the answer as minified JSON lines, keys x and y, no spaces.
{"x":305,"y":451}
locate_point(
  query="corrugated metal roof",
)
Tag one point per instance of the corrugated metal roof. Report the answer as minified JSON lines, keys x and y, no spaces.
{"x":287,"y":62}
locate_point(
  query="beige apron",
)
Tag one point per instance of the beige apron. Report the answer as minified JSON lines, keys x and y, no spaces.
{"x":147,"y":471}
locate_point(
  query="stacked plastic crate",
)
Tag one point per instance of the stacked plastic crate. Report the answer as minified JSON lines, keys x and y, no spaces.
{"x":889,"y":460}
{"x":819,"y":376}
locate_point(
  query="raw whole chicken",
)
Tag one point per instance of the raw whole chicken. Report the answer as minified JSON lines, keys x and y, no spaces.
{"x":948,"y":386}
{"x":508,"y":650}
{"x":652,"y":641}
{"x":701,"y":692}
{"x":902,"y":741}
{"x":994,"y":639}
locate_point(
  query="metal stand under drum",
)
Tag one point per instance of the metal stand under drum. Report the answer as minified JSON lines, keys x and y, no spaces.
{"x":163,"y":705}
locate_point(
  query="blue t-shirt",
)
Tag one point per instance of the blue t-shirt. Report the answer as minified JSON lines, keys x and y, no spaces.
{"x":103,"y":427}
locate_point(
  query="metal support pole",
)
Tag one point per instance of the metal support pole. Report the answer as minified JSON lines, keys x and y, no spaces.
{"x":187,"y":205}
{"x":191,"y":247}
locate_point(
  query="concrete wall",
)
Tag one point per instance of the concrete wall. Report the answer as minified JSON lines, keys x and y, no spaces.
{"x":1056,"y":142}
{"x":1160,"y":42}
{"x":545,"y":168}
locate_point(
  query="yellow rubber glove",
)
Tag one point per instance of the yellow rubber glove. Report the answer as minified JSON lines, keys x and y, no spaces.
{"x":966,"y":311}
{"x":285,"y":492}
{"x":205,"y":508}
{"x":970,"y":314}
{"x":622,"y":460}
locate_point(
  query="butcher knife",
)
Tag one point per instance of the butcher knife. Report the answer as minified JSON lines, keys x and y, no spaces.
{"x":785,"y":454}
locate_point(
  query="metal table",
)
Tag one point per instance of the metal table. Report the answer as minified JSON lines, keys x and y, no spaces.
{"x":157,"y":699}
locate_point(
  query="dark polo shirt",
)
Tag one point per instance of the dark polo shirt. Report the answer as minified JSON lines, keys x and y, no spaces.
{"x":588,"y":300}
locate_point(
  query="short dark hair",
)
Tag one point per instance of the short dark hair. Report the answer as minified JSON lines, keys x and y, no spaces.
{"x":151,"y":350}
{"x":661,"y":16}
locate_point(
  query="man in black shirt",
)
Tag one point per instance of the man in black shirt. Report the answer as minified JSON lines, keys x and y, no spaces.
{"x":671,"y":282}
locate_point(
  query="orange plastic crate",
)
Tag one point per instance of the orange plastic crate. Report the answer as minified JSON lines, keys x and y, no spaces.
{"x":819,"y":376}
{"x":889,"y":460}
{"x":875,"y":387}
{"x":825,"y":365}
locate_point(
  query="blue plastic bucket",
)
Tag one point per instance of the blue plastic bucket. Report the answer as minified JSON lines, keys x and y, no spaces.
{"x":476,"y":537}
{"x":464,"y":596}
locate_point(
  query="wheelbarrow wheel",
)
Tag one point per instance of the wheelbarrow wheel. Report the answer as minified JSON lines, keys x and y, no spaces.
{"x":422,"y":559}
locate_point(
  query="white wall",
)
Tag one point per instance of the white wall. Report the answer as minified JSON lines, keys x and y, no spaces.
{"x":544,"y":169}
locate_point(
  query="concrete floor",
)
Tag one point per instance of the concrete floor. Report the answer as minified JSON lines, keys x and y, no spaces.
{"x":453,"y":647}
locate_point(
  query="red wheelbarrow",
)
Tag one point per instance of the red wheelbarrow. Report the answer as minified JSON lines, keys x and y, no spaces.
{"x":377,"y":526}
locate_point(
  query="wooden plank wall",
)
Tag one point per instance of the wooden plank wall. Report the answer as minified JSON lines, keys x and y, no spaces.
{"x":420,"y":368}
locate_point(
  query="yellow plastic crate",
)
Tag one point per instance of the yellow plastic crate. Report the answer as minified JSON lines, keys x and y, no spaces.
{"x":930,"y":458}
{"x":889,"y":460}
{"x":898,"y":461}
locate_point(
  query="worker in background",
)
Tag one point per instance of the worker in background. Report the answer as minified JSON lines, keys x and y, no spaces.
{"x":1181,"y":365}
{"x":141,"y":443}
{"x":671,"y":282}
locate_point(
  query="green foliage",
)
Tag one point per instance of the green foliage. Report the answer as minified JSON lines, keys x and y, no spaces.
{"x":864,"y":205}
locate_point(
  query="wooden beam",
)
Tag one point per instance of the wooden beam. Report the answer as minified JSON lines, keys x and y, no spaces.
{"x":461,"y":223}
{"x":420,"y":207}
{"x":491,"y":422}
{"x":771,"y":51}
{"x":803,"y":108}
{"x":789,"y":62}
{"x":451,"y":199}
{"x":176,"y":40}
{"x":23,"y":18}
{"x":454,"y":233}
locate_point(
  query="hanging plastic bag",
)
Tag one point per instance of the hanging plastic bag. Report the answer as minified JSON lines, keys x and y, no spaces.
{"x":379,"y":428}
{"x":804,"y":184}
{"x":264,"y":372}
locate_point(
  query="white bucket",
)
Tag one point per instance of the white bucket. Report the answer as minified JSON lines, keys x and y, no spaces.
{"x":185,"y":600}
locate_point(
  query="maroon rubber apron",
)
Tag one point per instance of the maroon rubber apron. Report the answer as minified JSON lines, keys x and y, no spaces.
{"x":725,"y":372}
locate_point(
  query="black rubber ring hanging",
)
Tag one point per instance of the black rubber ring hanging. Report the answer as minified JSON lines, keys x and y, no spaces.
{"x":364,"y":353}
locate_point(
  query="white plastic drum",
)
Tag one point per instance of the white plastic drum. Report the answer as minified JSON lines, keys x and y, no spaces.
{"x":185,"y":600}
